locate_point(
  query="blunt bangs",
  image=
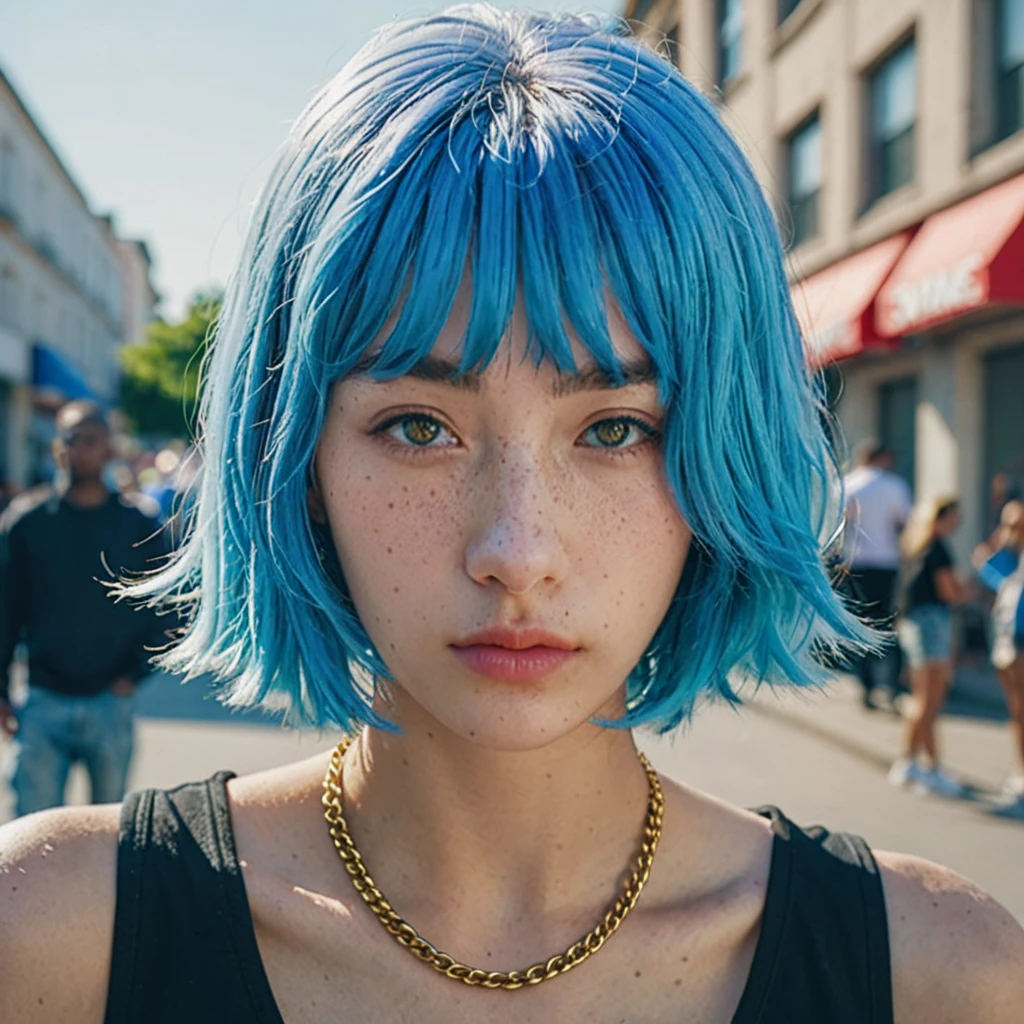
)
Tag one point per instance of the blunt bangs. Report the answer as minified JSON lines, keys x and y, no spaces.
{"x":556,"y":160}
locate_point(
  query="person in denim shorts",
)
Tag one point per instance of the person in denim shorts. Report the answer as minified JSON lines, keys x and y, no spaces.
{"x":925,"y":630}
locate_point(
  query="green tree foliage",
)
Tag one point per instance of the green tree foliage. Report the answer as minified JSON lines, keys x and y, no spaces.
{"x":160,"y":376}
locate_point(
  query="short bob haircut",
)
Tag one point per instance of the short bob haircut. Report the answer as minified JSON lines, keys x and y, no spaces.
{"x":557,"y":159}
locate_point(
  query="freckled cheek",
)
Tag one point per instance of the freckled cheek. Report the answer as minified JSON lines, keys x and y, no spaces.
{"x":637,"y":543}
{"x":395,"y":528}
{"x":662,"y":526}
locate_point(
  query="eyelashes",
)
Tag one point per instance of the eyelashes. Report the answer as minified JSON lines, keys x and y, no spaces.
{"x":416,"y":433}
{"x":621,"y":433}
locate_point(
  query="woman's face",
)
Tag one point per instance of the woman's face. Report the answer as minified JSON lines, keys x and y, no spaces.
{"x":509,"y":539}
{"x":947,"y":522}
{"x":1012,"y":521}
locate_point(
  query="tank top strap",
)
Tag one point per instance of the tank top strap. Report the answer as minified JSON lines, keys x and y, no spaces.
{"x":184,"y":946}
{"x":824,"y":950}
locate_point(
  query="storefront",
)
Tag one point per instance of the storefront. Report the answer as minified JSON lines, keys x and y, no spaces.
{"x":926,"y":331}
{"x":875,"y":391}
{"x":959,"y":286}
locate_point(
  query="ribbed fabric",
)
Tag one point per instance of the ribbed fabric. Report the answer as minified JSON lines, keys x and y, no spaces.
{"x":185,"y":949}
{"x":823,"y":953}
{"x":184,"y":946}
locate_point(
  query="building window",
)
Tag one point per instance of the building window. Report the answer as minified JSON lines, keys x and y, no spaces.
{"x":41,"y":315}
{"x":729,"y":28}
{"x":892,"y":115}
{"x":42,"y":201}
{"x":1009,"y":67}
{"x":9,"y":312}
{"x":786,"y":8}
{"x":8,"y":175}
{"x":803,"y":178}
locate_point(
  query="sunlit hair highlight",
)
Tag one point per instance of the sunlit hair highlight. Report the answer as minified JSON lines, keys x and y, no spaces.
{"x":561,"y":161}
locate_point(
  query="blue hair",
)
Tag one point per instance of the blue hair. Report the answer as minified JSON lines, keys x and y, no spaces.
{"x":563,"y":162}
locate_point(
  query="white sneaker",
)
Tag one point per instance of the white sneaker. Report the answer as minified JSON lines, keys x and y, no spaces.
{"x":940,"y":782}
{"x":1010,"y":806}
{"x":1014,"y":787}
{"x":904,"y":772}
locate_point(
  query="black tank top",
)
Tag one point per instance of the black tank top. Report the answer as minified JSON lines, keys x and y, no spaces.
{"x":185,"y":948}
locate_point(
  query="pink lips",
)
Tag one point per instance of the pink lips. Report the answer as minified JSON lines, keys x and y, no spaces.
{"x":514,"y":654}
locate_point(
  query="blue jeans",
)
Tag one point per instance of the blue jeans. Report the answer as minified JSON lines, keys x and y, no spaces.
{"x":55,"y":731}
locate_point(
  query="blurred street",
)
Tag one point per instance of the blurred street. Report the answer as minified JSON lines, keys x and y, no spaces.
{"x":821,"y":759}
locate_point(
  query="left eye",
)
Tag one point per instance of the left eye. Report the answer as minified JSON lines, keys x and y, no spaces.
{"x":418,"y":430}
{"x":620,"y":432}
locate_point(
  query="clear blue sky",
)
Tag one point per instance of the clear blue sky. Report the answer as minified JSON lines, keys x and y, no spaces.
{"x":169,"y":114}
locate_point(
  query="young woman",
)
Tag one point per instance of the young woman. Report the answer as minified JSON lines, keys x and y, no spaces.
{"x":925,"y":631}
{"x":509,"y":446}
{"x":1002,"y":571}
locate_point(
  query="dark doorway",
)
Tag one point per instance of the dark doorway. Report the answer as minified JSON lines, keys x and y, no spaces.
{"x":1004,"y":429}
{"x":897,"y":415}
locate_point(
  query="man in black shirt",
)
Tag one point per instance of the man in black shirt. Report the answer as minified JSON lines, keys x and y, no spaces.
{"x":86,"y":652}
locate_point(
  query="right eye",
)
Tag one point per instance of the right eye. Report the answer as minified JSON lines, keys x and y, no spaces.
{"x":417,"y":430}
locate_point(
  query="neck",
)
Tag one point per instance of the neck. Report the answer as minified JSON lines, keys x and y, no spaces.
{"x":470,"y":843}
{"x":87,"y":493}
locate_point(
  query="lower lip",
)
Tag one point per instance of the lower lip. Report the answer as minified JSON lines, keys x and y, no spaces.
{"x":504,"y":663}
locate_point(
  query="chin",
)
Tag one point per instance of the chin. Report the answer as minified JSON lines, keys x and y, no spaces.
{"x":511,"y":718}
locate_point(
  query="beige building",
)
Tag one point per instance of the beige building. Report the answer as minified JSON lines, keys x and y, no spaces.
{"x":71,"y":293}
{"x":139,"y":298}
{"x":889,"y":134}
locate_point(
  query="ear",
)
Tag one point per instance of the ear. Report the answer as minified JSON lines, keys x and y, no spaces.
{"x":314,"y":500}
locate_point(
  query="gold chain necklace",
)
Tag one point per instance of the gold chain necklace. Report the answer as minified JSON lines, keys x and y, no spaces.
{"x":407,"y":936}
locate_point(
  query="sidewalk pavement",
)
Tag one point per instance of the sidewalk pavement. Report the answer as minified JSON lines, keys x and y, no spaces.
{"x":974,"y":737}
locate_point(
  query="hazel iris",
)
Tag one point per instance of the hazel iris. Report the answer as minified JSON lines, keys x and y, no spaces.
{"x":612,"y":432}
{"x":420,"y":430}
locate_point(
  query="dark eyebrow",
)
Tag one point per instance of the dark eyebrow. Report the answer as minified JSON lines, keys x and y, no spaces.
{"x":593,"y":378}
{"x":590,"y":378}
{"x":432,"y":368}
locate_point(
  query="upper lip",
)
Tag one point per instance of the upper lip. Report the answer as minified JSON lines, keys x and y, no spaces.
{"x":517,"y":639}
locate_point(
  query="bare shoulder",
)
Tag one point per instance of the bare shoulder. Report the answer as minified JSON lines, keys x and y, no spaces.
{"x":728,"y":866}
{"x":276,"y":814}
{"x":957,"y":955}
{"x":58,"y":872}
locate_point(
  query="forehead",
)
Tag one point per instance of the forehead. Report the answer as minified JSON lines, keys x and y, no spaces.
{"x":85,"y":428}
{"x":83,"y":424}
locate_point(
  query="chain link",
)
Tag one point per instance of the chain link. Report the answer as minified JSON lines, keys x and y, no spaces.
{"x":407,"y":936}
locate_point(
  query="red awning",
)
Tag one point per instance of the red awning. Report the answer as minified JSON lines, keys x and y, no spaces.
{"x":961,"y":259}
{"x":836,"y":306}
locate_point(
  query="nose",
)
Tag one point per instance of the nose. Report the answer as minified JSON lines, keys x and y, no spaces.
{"x":516,"y":541}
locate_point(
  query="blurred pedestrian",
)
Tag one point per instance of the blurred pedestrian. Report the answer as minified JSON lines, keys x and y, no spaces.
{"x":1003,"y":489}
{"x":86,"y":652}
{"x":925,"y":630}
{"x":1003,"y":572}
{"x":877,"y":508}
{"x":8,"y":490}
